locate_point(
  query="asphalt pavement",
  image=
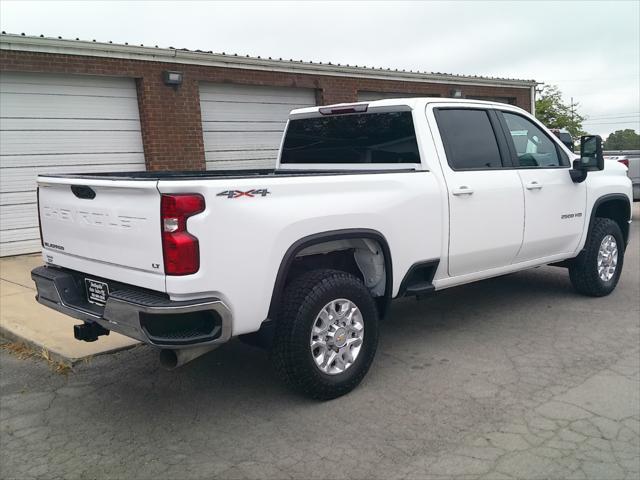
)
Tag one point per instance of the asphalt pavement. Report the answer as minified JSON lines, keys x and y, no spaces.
{"x":514,"y":377}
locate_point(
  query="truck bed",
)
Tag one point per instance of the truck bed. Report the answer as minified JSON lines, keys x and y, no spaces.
{"x":108,"y":224}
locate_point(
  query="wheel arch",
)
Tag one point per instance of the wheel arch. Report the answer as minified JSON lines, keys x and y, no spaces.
{"x":329,"y":236}
{"x":615,"y":206}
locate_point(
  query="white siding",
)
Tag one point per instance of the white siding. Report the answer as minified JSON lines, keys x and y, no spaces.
{"x":242,"y":125}
{"x":59,"y":124}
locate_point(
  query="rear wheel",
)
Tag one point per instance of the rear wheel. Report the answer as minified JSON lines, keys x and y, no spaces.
{"x":326,"y":334}
{"x":596,"y":271}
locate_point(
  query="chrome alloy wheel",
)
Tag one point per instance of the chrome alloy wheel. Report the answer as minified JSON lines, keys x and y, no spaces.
{"x":607,"y":258}
{"x":336,"y":336}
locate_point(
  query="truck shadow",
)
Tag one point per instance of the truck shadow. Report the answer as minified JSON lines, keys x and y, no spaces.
{"x":444,"y":368}
{"x":240,"y":376}
{"x":435,"y":357}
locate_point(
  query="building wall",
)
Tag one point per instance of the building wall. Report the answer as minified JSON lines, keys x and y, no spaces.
{"x":170,"y":118}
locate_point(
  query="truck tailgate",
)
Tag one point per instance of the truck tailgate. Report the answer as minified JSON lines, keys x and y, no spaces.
{"x":115,"y":223}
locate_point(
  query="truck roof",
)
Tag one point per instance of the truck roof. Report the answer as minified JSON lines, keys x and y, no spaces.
{"x":409,"y":103}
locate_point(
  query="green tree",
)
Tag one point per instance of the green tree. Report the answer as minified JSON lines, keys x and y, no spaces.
{"x":554,"y":113}
{"x":626,"y":139}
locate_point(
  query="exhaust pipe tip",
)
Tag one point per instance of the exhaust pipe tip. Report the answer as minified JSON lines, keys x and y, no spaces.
{"x":174,"y":358}
{"x":168,"y":359}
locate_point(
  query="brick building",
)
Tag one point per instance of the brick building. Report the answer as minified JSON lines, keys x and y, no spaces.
{"x":70,"y":105}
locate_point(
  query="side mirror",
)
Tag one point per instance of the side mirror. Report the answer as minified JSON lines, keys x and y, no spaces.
{"x":591,"y":158}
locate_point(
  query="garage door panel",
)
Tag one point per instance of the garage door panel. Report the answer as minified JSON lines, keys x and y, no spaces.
{"x":19,"y":247}
{"x":80,"y":81}
{"x":43,"y":142}
{"x":17,"y":198}
{"x":80,"y":159}
{"x":241,"y":126}
{"x":18,"y":216}
{"x":255,"y":93}
{"x":24,"y":179}
{"x":73,"y":90}
{"x":65,"y":106}
{"x":15,"y":235}
{"x":239,"y":140}
{"x":68,"y":124}
{"x":242,"y":155}
{"x":258,"y":163}
{"x":248,"y":112}
{"x":275,"y":100}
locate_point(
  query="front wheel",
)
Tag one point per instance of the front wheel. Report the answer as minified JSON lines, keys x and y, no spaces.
{"x":596,"y":271}
{"x":326,"y":334}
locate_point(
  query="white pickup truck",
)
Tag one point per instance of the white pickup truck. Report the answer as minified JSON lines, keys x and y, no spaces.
{"x":368,"y":202}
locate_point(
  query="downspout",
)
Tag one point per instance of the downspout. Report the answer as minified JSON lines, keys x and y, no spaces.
{"x":533,"y":100}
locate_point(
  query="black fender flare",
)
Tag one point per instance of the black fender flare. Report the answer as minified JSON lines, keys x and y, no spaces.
{"x":316,"y":238}
{"x":607,"y":198}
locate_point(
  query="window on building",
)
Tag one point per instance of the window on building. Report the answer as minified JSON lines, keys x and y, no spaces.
{"x":359,"y":138}
{"x":469,"y":139}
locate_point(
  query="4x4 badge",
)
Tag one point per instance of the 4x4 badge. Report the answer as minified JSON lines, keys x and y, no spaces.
{"x":263,"y":192}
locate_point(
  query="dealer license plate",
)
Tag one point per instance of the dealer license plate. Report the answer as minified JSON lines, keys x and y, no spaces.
{"x":97,"y":292}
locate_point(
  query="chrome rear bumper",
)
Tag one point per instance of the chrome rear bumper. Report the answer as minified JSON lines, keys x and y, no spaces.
{"x":150,"y":317}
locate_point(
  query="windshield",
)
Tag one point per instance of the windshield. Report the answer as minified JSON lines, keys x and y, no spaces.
{"x":361,"y":138}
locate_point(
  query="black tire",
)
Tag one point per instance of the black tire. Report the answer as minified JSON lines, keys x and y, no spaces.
{"x":303,"y":300}
{"x":583,"y":270}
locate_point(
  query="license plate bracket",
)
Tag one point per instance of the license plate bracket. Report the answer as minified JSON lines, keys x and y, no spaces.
{"x":97,"y":292}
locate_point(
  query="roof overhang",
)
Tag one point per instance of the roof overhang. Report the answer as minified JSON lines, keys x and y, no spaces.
{"x":171,"y":55}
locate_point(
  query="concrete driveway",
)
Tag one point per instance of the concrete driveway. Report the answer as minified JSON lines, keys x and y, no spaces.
{"x":25,"y":320}
{"x":515,"y":377}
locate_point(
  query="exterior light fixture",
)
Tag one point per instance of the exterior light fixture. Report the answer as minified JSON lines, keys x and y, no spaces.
{"x":456,"y":93}
{"x":173,"y":79}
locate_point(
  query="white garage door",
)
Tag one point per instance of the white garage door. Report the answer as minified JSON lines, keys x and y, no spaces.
{"x":59,"y":124}
{"x":242,"y":125}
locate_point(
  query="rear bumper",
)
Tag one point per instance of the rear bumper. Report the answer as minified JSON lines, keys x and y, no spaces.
{"x":144,"y":315}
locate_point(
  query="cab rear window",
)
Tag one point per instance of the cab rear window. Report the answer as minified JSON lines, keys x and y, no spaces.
{"x":388,"y":137}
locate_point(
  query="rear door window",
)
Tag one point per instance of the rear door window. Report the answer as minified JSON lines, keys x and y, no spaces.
{"x":377,"y":138}
{"x":469,"y":139}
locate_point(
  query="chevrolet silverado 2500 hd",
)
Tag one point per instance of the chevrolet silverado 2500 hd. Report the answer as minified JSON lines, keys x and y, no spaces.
{"x":368,"y":202}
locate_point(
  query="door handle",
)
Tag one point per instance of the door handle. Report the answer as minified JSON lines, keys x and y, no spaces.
{"x":462,"y":190}
{"x":533,"y":185}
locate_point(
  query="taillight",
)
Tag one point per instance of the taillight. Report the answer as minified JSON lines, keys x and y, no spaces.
{"x":180,"y":249}
{"x":624,"y":161}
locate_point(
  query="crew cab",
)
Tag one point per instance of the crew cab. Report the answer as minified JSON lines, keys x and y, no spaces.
{"x":368,"y":202}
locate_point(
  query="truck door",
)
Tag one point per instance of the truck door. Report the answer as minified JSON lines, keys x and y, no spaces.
{"x":486,"y":206}
{"x":554,"y":204}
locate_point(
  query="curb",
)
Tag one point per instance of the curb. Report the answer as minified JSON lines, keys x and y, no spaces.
{"x":55,"y":355}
